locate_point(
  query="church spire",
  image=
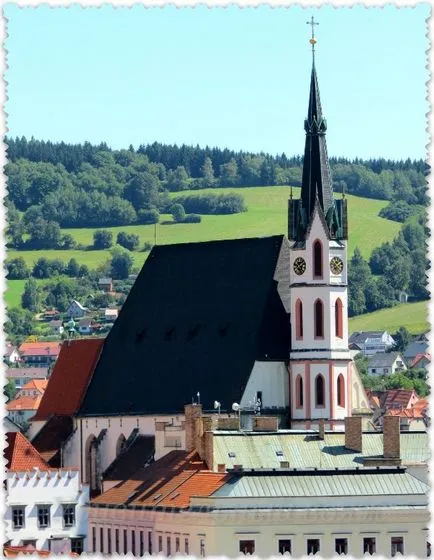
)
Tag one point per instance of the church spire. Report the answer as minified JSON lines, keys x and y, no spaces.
{"x":316,"y":178}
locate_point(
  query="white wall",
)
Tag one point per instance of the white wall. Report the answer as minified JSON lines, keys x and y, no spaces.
{"x":55,"y":487}
{"x":272,"y":379}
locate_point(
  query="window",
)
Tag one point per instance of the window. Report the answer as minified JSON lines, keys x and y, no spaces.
{"x":319,"y":319}
{"x":186,"y":546}
{"x":101,"y":540}
{"x":202,"y":547}
{"x":133,"y":542}
{"x":299,"y":391}
{"x":298,"y":320}
{"x":109,"y":541}
{"x":117,"y":541}
{"x":317,"y":259}
{"x":142,"y":543}
{"x":125,"y":541}
{"x":341,"y":390}
{"x":150,"y":542}
{"x":339,"y":331}
{"x":247,"y":547}
{"x":312,"y":546}
{"x":18,"y":517}
{"x":177,"y":544}
{"x":77,"y":545}
{"x":169,"y":546}
{"x":284,"y":546}
{"x":68,"y":515}
{"x":374,"y":370}
{"x":341,"y":546}
{"x":397,"y":545}
{"x":93,"y":539}
{"x":160,"y":543}
{"x":319,"y":390}
{"x":43,"y":516}
{"x":259,"y":397}
{"x":369,"y":545}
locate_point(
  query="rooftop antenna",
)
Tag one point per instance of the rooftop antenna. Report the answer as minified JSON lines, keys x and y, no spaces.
{"x":217,"y":406}
{"x":198,"y":397}
{"x":237,"y":408}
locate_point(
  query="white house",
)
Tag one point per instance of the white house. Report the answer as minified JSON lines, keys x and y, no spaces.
{"x":386,"y":363}
{"x":11,"y":354}
{"x":44,"y":506}
{"x":76,"y":310}
{"x":85,"y":326}
{"x":371,"y":342}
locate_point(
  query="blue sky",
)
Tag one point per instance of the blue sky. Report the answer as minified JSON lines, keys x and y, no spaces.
{"x":226,"y":77}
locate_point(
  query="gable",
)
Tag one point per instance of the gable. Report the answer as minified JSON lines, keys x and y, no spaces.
{"x":197,"y":317}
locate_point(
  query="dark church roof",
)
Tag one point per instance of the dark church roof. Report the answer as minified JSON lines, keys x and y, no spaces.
{"x":196,"y":319}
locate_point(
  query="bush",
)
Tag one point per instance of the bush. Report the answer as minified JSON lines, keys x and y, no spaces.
{"x":147,"y":246}
{"x":399,"y":211}
{"x":178,"y":213}
{"x":231,"y":203}
{"x":102,"y":239}
{"x":148,"y":216}
{"x":17,"y":269}
{"x":192,"y":219}
{"x":128,"y":240}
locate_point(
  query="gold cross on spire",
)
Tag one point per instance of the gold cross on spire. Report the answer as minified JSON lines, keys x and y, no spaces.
{"x":312,"y":41}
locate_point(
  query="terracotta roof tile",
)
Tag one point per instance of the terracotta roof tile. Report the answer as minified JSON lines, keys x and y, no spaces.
{"x":24,"y":403}
{"x":37,"y":384}
{"x":39,"y":349}
{"x":20,"y":454}
{"x":200,"y":484}
{"x":70,"y":377}
{"x":396,"y":397}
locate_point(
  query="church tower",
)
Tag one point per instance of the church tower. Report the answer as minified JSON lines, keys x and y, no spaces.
{"x":320,"y":371}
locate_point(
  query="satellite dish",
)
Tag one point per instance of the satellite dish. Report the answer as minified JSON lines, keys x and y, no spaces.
{"x":235,"y":407}
{"x":217,"y":404}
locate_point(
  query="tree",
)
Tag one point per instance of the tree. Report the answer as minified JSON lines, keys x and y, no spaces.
{"x":68,"y":242}
{"x":401,"y":338}
{"x":31,"y":297}
{"x":121,"y":263}
{"x":178,"y":213}
{"x":72,"y":268}
{"x":177,"y":180}
{"x":207,"y":172}
{"x":128,"y":240}
{"x":19,"y":324}
{"x":142,"y":190}
{"x":102,"y":239}
{"x":17,"y":269}
{"x":229,"y":174}
{"x":148,"y":216}
{"x":10,"y":389}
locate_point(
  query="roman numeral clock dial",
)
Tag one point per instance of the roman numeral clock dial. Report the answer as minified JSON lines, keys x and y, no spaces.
{"x":299,"y":266}
{"x":336,"y":265}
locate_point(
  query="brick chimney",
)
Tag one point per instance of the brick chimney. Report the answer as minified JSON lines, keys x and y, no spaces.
{"x":265,"y":423}
{"x":192,"y":412}
{"x":353,"y":433}
{"x":321,"y":428}
{"x":391,"y":437}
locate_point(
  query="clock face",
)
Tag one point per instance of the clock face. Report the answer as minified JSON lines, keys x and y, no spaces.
{"x":299,"y":266}
{"x":336,"y":265}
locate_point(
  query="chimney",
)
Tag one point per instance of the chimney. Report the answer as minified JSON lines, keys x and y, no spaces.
{"x":191,"y":411}
{"x":391,"y":437}
{"x":321,"y":428}
{"x":221,"y":468}
{"x":265,"y":423}
{"x":353,"y":433}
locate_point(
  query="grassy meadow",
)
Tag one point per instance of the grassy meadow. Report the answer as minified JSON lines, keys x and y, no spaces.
{"x":414,"y":316}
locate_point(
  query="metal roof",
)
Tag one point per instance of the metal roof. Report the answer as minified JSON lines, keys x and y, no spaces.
{"x":375,"y":484}
{"x":303,"y":450}
{"x":383,"y":359}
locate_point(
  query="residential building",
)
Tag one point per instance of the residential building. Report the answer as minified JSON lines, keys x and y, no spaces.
{"x":422,"y":361}
{"x":26,"y":402}
{"x":39,"y":354}
{"x":110,"y":315}
{"x":105,"y":284}
{"x":386,"y":363}
{"x":11,"y":354}
{"x":414,"y":349}
{"x":76,"y":310}
{"x":44,"y":506}
{"x":371,"y":342}
{"x":85,"y":326}
{"x":21,"y":375}
{"x":56,"y":326}
{"x":268,"y":491}
{"x":398,"y":398}
{"x":50,"y":315}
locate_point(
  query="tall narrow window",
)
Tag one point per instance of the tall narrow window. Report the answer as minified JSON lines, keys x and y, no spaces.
{"x":298,"y":319}
{"x":317,"y":259}
{"x":101,"y":540}
{"x":341,"y":390}
{"x":338,"y":319}
{"x":319,"y":319}
{"x":319,"y":390}
{"x":109,"y":541}
{"x":299,"y":391}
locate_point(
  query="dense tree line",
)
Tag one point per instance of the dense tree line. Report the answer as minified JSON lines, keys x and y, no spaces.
{"x":212,"y":203}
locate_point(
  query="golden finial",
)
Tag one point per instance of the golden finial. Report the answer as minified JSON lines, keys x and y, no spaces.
{"x":312,"y":41}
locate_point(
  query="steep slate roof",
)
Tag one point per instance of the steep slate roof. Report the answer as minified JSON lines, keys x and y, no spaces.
{"x":70,"y":378}
{"x":132,"y":459}
{"x":383,"y":359}
{"x":20,"y":454}
{"x":361,"y":337}
{"x":196,"y":319}
{"x":415,"y":348}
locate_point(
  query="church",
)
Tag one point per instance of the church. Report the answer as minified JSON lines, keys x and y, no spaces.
{"x":250,"y":327}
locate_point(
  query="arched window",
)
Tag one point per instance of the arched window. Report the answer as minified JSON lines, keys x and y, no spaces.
{"x":298,"y":319}
{"x":338,"y":319}
{"x":120,"y":446}
{"x":299,"y":391}
{"x":319,"y":319}
{"x":319,"y":390}
{"x":90,"y":462}
{"x":317,"y":259}
{"x":341,"y":390}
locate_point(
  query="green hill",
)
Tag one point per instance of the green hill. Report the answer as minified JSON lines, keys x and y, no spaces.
{"x":413,"y":316}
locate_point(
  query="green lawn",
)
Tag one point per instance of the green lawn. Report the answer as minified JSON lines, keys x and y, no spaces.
{"x":266,"y":215}
{"x":413,"y":316}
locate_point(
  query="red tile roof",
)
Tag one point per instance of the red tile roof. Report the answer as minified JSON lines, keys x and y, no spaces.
{"x":20,"y":454}
{"x":36,"y":385}
{"x":70,"y":377}
{"x":169,"y":482}
{"x":419,"y":357}
{"x":396,"y":398}
{"x":24,"y":403}
{"x":13,"y":551}
{"x":39,"y":349}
